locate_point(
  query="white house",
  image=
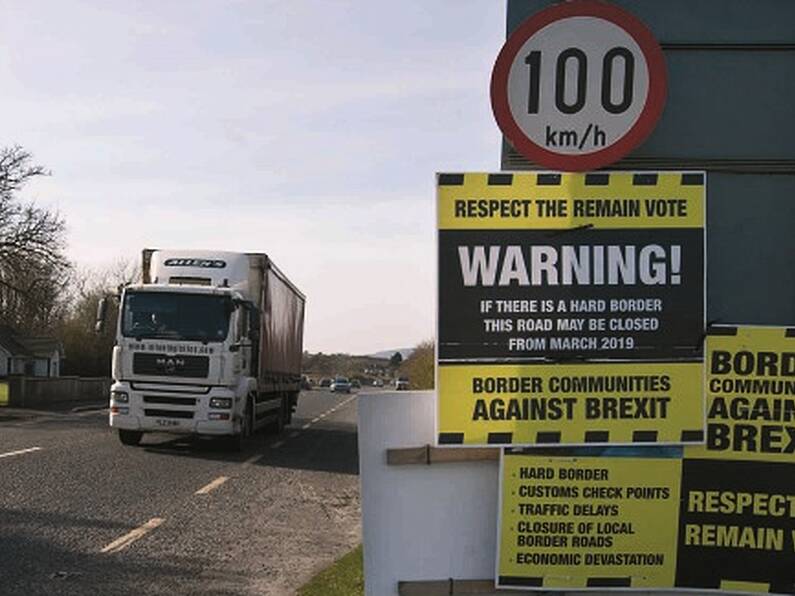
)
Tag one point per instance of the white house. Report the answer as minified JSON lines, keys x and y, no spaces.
{"x":31,"y":356}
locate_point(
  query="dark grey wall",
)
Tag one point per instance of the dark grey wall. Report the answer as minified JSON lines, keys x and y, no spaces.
{"x":42,"y":392}
{"x":731,"y":112}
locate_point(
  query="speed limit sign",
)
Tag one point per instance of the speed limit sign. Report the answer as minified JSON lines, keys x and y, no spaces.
{"x":578,"y":85}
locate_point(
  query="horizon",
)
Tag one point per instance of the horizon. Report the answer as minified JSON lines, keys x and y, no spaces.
{"x":368,"y":355}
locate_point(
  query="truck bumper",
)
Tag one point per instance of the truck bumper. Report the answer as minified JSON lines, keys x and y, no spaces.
{"x":161,"y":410}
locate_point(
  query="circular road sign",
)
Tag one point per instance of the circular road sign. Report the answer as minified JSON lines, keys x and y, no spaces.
{"x":579,"y":85}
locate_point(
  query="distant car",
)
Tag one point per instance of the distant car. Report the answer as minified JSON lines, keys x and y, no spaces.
{"x":378,"y":383}
{"x":341,"y":385}
{"x":401,"y":384}
{"x":355,"y":384}
{"x":325,"y":382}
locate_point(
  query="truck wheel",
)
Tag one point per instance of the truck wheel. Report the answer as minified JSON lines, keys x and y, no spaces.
{"x":280,"y":419}
{"x":235,"y":442}
{"x":130,"y":437}
{"x":251,"y":408}
{"x":292,"y":404}
{"x":246,"y":428}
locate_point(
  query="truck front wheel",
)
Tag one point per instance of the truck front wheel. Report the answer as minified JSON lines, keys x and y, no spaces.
{"x":130,"y":437}
{"x":235,"y":442}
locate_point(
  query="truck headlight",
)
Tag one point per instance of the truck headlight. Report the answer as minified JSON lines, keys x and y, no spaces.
{"x":120,"y":397}
{"x":221,"y":402}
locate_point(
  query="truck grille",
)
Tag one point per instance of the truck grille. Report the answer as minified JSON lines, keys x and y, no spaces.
{"x":167,"y":413}
{"x":170,"y":400}
{"x":171,"y":366}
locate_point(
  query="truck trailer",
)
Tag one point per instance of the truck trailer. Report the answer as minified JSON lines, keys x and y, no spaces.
{"x":209,"y":343}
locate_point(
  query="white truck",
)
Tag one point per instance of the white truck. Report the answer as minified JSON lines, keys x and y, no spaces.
{"x":209,"y":343}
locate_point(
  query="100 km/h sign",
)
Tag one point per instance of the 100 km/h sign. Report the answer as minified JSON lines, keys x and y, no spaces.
{"x":578,"y":85}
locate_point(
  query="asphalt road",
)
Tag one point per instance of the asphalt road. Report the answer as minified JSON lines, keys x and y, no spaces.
{"x":82,"y":514}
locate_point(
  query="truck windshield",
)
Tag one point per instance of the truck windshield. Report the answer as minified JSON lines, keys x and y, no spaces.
{"x":187,"y":317}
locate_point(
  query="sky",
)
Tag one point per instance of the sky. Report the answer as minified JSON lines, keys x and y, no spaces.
{"x":309,"y":130}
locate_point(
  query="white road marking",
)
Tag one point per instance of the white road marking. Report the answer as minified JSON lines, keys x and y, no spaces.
{"x":131,"y":537}
{"x":37,"y":420}
{"x":253,"y":459}
{"x":277,"y":444}
{"x":91,"y":413}
{"x":323,"y":415}
{"x":347,"y":401}
{"x":20,"y":452}
{"x":212,"y":486}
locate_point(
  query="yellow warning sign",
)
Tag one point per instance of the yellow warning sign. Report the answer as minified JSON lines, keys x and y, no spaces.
{"x":750,"y":378}
{"x":3,"y":393}
{"x":588,"y":522}
{"x":531,"y":200}
{"x":582,"y":403}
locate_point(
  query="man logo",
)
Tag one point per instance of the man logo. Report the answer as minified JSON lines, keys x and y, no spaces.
{"x":170,"y":365}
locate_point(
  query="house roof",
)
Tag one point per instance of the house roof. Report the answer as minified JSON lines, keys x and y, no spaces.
{"x":36,"y":346}
{"x":9,"y":342}
{"x":41,"y":346}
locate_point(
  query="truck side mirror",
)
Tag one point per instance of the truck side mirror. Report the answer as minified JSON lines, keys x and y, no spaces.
{"x":102,"y":309}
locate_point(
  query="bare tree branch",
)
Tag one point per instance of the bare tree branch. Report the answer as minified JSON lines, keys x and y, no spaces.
{"x":33,"y":267}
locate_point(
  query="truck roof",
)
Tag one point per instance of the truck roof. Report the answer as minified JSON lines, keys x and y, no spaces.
{"x":198,"y":268}
{"x":184,"y":288}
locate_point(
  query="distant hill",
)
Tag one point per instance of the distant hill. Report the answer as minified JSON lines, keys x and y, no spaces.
{"x":329,"y":365}
{"x":370,"y":367}
{"x":387,"y":354}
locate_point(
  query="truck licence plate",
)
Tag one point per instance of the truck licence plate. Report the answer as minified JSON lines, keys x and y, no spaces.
{"x":166,"y":422}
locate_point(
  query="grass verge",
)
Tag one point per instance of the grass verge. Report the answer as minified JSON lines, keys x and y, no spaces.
{"x":343,"y":578}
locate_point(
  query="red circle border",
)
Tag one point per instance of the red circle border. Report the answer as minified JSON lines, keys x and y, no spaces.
{"x":640,"y":130}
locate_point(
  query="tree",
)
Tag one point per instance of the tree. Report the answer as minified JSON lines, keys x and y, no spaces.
{"x":396,"y":359}
{"x":88,"y":353}
{"x":419,"y":366}
{"x":33,"y":267}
